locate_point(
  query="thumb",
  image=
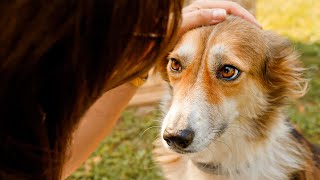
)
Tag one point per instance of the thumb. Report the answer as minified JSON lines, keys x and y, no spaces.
{"x":202,"y":17}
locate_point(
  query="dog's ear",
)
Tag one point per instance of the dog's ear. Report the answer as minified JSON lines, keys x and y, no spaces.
{"x":284,"y":72}
{"x":161,"y":67}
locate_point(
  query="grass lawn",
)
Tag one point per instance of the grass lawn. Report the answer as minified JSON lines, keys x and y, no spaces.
{"x":126,"y":153}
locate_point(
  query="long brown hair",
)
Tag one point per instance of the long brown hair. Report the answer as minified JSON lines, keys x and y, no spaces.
{"x":56,"y":58}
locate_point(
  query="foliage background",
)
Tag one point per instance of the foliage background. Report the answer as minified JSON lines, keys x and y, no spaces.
{"x":126,"y":154}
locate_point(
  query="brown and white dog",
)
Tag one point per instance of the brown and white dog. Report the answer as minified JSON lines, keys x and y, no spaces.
{"x":224,"y":111}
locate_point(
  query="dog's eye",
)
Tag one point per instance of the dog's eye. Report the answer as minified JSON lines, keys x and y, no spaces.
{"x":175,"y":65}
{"x":228,"y":73}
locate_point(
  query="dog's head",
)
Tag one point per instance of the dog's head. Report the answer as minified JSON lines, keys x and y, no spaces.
{"x":229,"y":77}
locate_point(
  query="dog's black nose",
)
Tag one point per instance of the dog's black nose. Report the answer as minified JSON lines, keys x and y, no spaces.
{"x":180,"y":139}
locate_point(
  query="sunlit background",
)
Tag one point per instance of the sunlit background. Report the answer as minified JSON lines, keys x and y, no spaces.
{"x":126,"y":154}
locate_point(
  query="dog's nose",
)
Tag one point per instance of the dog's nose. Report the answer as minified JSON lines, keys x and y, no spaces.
{"x":181,"y":139}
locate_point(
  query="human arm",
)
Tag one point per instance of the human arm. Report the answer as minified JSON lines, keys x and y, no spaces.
{"x":96,"y":124}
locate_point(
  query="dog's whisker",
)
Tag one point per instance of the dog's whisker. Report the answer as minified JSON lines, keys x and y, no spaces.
{"x":210,"y":149}
{"x":152,"y":167}
{"x":229,"y":133}
{"x":159,"y":121}
{"x":224,"y":144}
{"x":157,"y":137}
{"x":237,"y":127}
{"x":215,"y":130}
{"x":234,"y":125}
{"x":149,"y":129}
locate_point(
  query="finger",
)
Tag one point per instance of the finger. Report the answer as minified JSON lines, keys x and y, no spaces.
{"x":230,"y":7}
{"x":201,"y":17}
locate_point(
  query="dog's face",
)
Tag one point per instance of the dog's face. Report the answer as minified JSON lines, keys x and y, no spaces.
{"x":228,"y":78}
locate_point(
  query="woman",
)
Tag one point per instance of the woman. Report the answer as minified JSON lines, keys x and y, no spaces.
{"x":60,"y":57}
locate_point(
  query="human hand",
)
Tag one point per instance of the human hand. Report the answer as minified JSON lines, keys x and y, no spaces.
{"x":206,"y":12}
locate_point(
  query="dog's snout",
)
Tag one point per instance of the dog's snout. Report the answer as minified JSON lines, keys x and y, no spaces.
{"x":180,"y":139}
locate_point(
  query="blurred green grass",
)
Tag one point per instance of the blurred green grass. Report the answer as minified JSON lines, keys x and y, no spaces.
{"x":126,"y":154}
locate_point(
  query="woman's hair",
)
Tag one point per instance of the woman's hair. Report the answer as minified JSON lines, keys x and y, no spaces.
{"x":56,"y":58}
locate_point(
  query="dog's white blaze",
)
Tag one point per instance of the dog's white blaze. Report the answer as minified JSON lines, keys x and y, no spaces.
{"x":187,"y":112}
{"x":200,"y":121}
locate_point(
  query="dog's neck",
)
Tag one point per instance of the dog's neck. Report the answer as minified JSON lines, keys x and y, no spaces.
{"x":275,"y":158}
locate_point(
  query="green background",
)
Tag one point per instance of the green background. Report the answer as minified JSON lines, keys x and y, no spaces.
{"x":126,"y":154}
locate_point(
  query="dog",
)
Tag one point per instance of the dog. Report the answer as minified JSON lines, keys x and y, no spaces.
{"x":224,"y":112}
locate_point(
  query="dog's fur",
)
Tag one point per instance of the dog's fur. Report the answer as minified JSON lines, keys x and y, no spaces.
{"x":240,"y":125}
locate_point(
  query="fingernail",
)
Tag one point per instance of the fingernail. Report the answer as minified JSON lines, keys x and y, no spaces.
{"x":219,"y":14}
